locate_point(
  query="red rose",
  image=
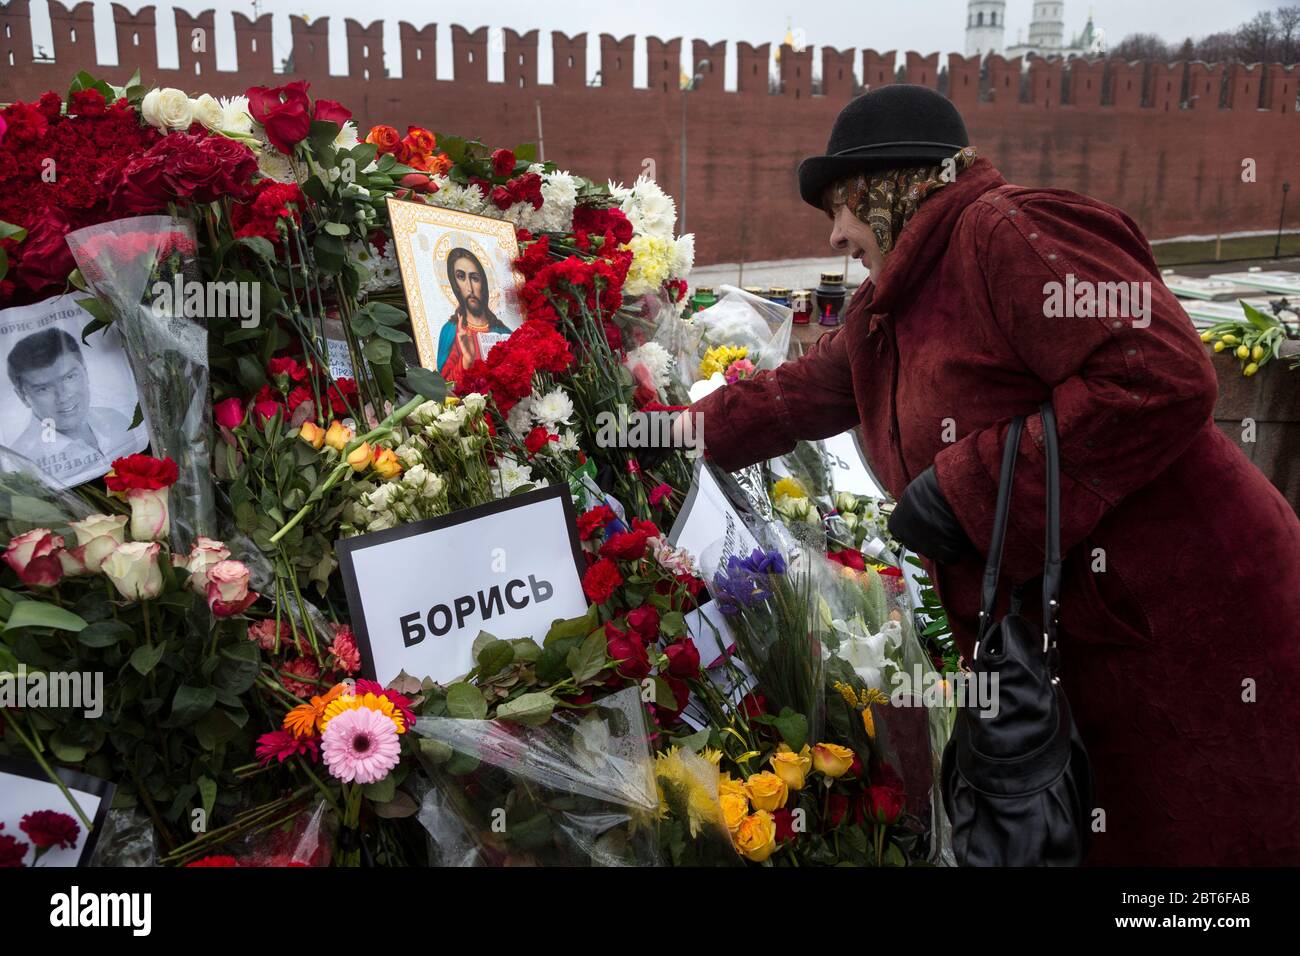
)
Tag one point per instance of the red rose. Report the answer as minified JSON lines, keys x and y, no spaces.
{"x":645,"y":621}
{"x":837,"y":808}
{"x":417,"y":183}
{"x":681,"y":696}
{"x":266,"y":409}
{"x":629,"y":651}
{"x":204,"y":168}
{"x":229,"y":413}
{"x":883,"y":804}
{"x":50,"y":828}
{"x":600,"y":580}
{"x":849,"y":558}
{"x":784,"y":820}
{"x":502,"y":198}
{"x":683,"y":658}
{"x":420,"y":140}
{"x":503,"y":163}
{"x":284,"y":111}
{"x":141,"y":473}
{"x":328,"y":111}
{"x":754,"y":705}
{"x":45,"y":259}
{"x":536,"y":439}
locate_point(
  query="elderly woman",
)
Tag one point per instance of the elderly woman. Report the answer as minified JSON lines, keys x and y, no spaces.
{"x":1180,"y":607}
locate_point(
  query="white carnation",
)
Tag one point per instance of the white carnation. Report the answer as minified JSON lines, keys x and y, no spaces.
{"x":347,"y":136}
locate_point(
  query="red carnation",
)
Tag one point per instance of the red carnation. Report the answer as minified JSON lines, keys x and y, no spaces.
{"x":593,"y":520}
{"x":50,"y":828}
{"x":287,"y":366}
{"x":600,"y":580}
{"x":141,"y":472}
{"x":536,"y":439}
{"x":12,"y":851}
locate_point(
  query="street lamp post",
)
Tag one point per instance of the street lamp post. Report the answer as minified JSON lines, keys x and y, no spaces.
{"x":694,"y":81}
{"x":1277,"y":246}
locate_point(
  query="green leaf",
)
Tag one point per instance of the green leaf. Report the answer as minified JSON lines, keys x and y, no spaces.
{"x":208,"y":793}
{"x":336,"y":229}
{"x":531,"y":709}
{"x":9,"y":231}
{"x":673,"y":624}
{"x":145,"y":658}
{"x":573,"y":627}
{"x":587,"y":660}
{"x":1260,"y":320}
{"x":793,"y":728}
{"x":191,"y":703}
{"x":386,"y":314}
{"x":378,"y":352}
{"x":259,"y":246}
{"x":696,"y":741}
{"x":104,"y":634}
{"x":381,"y":791}
{"x":426,"y":382}
{"x":137,"y":418}
{"x":39,"y":614}
{"x":494,"y":658}
{"x":465,"y":702}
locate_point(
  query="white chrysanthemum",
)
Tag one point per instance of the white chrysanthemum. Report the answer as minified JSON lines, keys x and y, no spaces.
{"x":655,"y":359}
{"x":510,"y":474}
{"x":347,"y":137}
{"x":235,"y":117}
{"x":520,"y":418}
{"x":559,"y":199}
{"x":552,"y":409}
{"x":451,"y":195}
{"x":568,"y":441}
{"x":683,"y":255}
{"x":651,"y":211}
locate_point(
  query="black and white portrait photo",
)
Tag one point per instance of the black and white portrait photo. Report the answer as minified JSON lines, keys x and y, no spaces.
{"x":65,"y":405}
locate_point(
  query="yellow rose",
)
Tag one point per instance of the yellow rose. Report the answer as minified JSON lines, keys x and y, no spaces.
{"x":312,"y":434}
{"x":386,"y":463}
{"x":789,"y":767}
{"x":338,"y":436}
{"x":727,"y":785}
{"x":361,"y":457}
{"x":766,"y":791}
{"x":756,"y":836}
{"x":832,"y":759}
{"x":735,"y":807}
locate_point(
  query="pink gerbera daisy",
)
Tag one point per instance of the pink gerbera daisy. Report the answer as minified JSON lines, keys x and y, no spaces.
{"x":281,"y":745}
{"x":360,"y":745}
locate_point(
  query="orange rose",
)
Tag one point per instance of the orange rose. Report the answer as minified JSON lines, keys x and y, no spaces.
{"x":384,"y":137}
{"x":421,"y":140}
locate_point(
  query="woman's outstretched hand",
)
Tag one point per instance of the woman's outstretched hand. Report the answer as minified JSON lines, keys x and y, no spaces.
{"x":926,"y":524}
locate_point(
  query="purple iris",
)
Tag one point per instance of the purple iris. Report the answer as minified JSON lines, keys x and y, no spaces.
{"x":744,"y":581}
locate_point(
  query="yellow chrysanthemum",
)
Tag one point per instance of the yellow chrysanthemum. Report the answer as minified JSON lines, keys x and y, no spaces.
{"x":685,"y":787}
{"x":370,"y":701}
{"x":652,"y":264}
{"x":788,"y":488}
{"x":712,"y":756}
{"x":720,"y":357}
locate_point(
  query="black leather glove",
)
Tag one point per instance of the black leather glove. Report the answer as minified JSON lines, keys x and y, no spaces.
{"x":925,"y":522}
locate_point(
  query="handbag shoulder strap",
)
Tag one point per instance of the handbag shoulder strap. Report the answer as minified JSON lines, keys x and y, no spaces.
{"x":1052,"y":544}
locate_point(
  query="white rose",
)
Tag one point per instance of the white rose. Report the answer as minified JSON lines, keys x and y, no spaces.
{"x":97,"y":526}
{"x":208,"y":111}
{"x":474,"y":403}
{"x":149,"y":516}
{"x":133,"y":569}
{"x":171,"y":109}
{"x":205,"y":553}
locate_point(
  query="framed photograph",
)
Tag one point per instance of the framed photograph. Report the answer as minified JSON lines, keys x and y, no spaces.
{"x":66,"y":405}
{"x":25,"y":789}
{"x":461,"y":287}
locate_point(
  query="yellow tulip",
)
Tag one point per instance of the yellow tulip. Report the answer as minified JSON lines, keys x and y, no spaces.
{"x":832,"y":759}
{"x":1206,"y":336}
{"x":756,"y":836}
{"x":338,"y":436}
{"x":766,"y":791}
{"x":1242,"y":352}
{"x":1219,"y":346}
{"x":1257,"y":352}
{"x":1229,"y":339}
{"x":312,"y":434}
{"x":361,"y":457}
{"x":1250,"y":369}
{"x":386,"y":463}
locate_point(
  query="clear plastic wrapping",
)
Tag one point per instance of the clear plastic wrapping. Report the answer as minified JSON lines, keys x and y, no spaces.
{"x":144,"y":271}
{"x":740,"y":318}
{"x":579,"y":790}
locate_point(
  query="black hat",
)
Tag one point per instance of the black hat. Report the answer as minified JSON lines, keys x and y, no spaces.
{"x":898,"y":125}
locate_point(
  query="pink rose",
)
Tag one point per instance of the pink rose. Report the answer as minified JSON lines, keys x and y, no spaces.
{"x":149,"y":514}
{"x":34,"y":557}
{"x":228,"y":592}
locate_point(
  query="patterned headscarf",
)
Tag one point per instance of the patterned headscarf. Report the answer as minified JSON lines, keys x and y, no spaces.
{"x":886,"y":200}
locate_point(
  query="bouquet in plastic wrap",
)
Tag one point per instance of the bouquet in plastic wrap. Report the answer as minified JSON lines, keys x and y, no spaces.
{"x":739,"y":335}
{"x":144,"y":275}
{"x":578,"y":789}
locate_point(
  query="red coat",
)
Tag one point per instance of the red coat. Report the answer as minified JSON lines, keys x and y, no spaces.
{"x":1182,"y":660}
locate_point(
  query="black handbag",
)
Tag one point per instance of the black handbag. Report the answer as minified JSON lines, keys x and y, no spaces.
{"x":1017,"y":785}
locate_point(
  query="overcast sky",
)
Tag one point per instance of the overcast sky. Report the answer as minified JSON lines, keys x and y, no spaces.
{"x":922,"y":25}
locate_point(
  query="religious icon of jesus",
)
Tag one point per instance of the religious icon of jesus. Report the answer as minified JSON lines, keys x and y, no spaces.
{"x":459,"y":343}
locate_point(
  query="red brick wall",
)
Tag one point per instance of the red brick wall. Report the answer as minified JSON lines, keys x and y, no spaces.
{"x":1176,"y":171}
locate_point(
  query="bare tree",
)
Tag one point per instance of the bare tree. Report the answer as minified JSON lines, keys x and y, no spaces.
{"x":1217,"y":48}
{"x":1266,"y":38}
{"x":1288,"y":31}
{"x":1141,"y":46}
{"x":1257,"y":39}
